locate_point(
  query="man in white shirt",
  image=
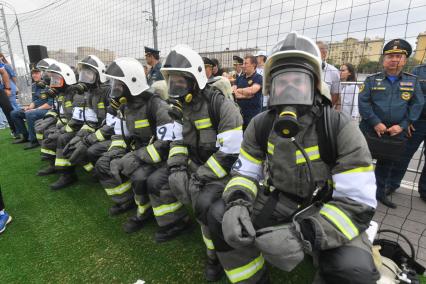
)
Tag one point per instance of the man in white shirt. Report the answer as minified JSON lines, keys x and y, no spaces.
{"x":331,"y":75}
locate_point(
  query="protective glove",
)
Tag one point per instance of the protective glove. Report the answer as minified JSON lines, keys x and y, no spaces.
{"x":237,"y":227}
{"x":124,"y":166}
{"x":281,"y":246}
{"x":90,"y":139}
{"x":79,"y":153}
{"x":78,"y":88}
{"x":70,"y":147}
{"x":178,"y":182}
{"x":41,"y":84}
{"x":51,"y":92}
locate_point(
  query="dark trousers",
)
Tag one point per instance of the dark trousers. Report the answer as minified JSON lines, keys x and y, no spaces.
{"x":399,"y":168}
{"x":31,"y":117}
{"x":7,"y":109}
{"x":1,"y":201}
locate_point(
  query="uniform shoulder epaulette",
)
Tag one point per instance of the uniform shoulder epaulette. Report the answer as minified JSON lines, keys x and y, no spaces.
{"x":409,"y":74}
{"x":374,"y":74}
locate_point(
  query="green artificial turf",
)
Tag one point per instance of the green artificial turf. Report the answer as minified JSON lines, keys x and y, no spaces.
{"x":68,"y":237}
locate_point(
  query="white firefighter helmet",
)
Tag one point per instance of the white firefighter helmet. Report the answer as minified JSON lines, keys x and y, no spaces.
{"x":130,"y":72}
{"x":184,"y":59}
{"x":294,"y":48}
{"x":94,"y":62}
{"x":45,"y":63}
{"x":64,"y":70}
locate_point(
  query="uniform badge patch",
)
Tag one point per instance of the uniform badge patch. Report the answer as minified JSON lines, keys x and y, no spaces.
{"x":410,"y":84}
{"x":361,"y":88}
{"x":43,"y":96}
{"x":250,"y":82}
{"x":405,"y":96}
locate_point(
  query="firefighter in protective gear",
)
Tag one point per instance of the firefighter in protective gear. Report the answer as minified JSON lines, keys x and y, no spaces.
{"x":148,"y":132}
{"x":50,"y":118}
{"x":87,"y":103}
{"x":199,"y":161}
{"x":252,"y":223}
{"x":60,"y":77}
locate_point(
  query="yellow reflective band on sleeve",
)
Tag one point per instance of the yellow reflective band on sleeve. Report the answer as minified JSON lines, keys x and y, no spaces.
{"x":101,"y":105}
{"x":208,"y":243}
{"x":88,"y":167}
{"x":245,"y":272}
{"x":47,"y":151}
{"x":118,"y":143}
{"x":39,"y":136}
{"x":99,"y":135}
{"x":52,"y":113}
{"x":141,"y":123}
{"x":120,"y":189}
{"x":178,"y":150}
{"x":153,"y":153}
{"x":203,"y":123}
{"x":233,"y":129}
{"x":62,"y":162}
{"x":340,"y":220}
{"x":142,"y":207}
{"x":250,"y":157}
{"x":271,"y":148}
{"x":166,"y":209}
{"x":360,"y":170}
{"x":68,"y":104}
{"x":87,"y":127}
{"x":216,"y":167}
{"x":313,"y":154}
{"x":68,"y":129}
{"x":244,"y":182}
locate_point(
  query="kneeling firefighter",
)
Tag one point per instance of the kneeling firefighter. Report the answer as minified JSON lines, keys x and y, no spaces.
{"x":200,"y":160}
{"x":89,"y":97}
{"x":147,"y":133}
{"x":319,"y":190}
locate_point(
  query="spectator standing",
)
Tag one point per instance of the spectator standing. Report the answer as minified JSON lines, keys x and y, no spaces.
{"x":389,"y":101}
{"x":331,"y":75}
{"x":349,"y":92}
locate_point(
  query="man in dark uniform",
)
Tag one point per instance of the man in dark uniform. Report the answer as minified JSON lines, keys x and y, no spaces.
{"x":38,"y":107}
{"x":152,"y":57}
{"x":389,"y":101}
{"x":238,"y":70}
{"x":417,"y":134}
{"x":208,"y":65}
{"x":248,"y":90}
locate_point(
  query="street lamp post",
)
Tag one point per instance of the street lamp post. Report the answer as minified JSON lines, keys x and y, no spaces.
{"x":154,"y":23}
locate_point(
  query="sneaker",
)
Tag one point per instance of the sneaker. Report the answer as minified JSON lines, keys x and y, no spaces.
{"x":4,"y":220}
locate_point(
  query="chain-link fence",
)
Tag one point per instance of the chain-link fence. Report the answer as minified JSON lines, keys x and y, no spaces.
{"x":355,"y":31}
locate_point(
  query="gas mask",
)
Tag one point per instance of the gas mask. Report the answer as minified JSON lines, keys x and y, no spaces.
{"x":180,"y":87}
{"x":292,"y":94}
{"x":88,"y":76}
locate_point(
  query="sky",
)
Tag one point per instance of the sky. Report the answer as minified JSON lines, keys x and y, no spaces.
{"x":124,"y":26}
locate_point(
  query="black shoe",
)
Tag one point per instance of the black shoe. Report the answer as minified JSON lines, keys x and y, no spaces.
{"x":32,"y":145}
{"x":135,"y":223}
{"x":121,"y":208}
{"x":169,"y":232}
{"x":47,"y":171}
{"x":385,"y":201}
{"x":20,"y":140}
{"x":64,"y":181}
{"x":213,"y":270}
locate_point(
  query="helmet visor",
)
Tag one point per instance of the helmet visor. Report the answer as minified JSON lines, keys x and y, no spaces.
{"x":117,"y":89}
{"x":178,"y":85}
{"x":292,"y":87}
{"x":87,"y":75}
{"x":56,"y":80}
